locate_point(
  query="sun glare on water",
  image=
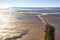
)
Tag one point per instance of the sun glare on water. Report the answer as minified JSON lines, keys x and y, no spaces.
{"x":4,"y":19}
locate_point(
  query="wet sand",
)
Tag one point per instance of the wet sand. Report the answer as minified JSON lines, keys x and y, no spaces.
{"x":21,"y":27}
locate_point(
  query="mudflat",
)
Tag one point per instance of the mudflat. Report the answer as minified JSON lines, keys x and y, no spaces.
{"x":21,"y":27}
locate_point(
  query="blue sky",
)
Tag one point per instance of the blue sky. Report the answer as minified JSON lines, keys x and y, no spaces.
{"x":29,"y":3}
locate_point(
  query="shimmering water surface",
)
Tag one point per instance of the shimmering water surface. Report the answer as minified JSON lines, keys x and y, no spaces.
{"x":22,"y":26}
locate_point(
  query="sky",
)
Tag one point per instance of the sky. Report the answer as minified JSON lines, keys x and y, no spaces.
{"x":29,"y":3}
